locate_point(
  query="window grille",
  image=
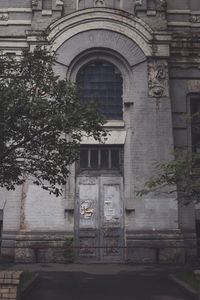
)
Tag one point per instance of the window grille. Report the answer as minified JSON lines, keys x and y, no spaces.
{"x":101,"y":82}
{"x":100,"y":158}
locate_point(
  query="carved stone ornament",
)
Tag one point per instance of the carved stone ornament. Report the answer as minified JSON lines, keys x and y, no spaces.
{"x":158,"y":78}
{"x":160,"y":4}
{"x":99,"y":3}
{"x":138,"y":2}
{"x":59,"y":2}
{"x":195,"y":19}
{"x":4,"y":17}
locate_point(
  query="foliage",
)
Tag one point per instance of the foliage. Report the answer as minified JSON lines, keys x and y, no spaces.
{"x":26,"y":277}
{"x":42,"y":121}
{"x":181,"y":174}
{"x":189,"y":277}
{"x":68,"y":252}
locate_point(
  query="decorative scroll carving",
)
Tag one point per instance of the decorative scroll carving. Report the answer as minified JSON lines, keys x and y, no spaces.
{"x":195,"y":19}
{"x":158,"y":78}
{"x":4,"y":17}
{"x":99,"y":3}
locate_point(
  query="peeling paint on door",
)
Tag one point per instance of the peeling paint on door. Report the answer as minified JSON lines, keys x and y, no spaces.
{"x":99,"y":220}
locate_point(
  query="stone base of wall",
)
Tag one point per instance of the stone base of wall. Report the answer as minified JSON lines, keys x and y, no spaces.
{"x":190,"y":240}
{"x":165,"y":243}
{"x":10,"y":285}
{"x":152,"y":239}
{"x":44,"y":248}
{"x":8,"y":239}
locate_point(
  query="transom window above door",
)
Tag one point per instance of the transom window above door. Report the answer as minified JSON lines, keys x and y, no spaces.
{"x":100,"y":158}
{"x":101,"y":82}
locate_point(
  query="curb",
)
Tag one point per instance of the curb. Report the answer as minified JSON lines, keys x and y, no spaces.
{"x":29,"y":285}
{"x":188,"y":289}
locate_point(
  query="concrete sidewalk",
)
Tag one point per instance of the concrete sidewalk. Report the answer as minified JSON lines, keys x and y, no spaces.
{"x":104,"y":282}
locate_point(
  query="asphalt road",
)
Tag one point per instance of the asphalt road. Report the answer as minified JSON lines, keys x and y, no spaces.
{"x":136,"y":284}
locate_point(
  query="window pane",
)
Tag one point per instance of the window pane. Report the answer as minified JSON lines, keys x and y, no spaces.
{"x":115,"y":159}
{"x":102,"y":82}
{"x":84,"y":158}
{"x":94,"y":159}
{"x":104,"y":159}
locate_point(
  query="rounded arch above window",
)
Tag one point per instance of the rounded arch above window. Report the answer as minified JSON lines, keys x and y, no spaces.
{"x":101,"y":81}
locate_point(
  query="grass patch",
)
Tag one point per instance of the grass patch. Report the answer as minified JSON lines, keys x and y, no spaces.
{"x":26,"y":277}
{"x":189,"y":277}
{"x":68,"y":252}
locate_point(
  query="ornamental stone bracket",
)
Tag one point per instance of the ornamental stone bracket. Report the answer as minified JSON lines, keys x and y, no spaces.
{"x":56,"y":4}
{"x":36,"y":4}
{"x":99,"y":3}
{"x":158,"y":78}
{"x":161,"y":4}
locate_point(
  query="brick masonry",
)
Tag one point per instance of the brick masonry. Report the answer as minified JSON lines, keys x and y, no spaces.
{"x":10,"y":285}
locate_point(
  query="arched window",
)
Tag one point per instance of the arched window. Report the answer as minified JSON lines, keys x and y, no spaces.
{"x":101,"y":82}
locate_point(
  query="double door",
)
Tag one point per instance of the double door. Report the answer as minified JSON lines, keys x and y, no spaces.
{"x":99,"y":218}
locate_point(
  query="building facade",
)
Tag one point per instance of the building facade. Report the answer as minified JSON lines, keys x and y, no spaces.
{"x":141,"y":59}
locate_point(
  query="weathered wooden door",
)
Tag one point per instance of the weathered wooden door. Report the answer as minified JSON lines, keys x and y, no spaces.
{"x":99,"y":218}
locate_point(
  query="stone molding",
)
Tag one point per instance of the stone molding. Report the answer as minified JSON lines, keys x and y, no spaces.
{"x":112,"y":20}
{"x":158,"y":78}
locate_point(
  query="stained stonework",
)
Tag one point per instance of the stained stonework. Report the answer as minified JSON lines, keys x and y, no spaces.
{"x":158,"y":78}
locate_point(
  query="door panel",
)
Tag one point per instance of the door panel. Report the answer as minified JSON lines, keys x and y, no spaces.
{"x":99,"y":221}
{"x":88,"y":217}
{"x":111,"y":233}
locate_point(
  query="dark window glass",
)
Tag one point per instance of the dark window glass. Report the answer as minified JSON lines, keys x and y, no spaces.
{"x":195,"y":124}
{"x":84,"y":158}
{"x":102,"y":82}
{"x":105,"y":159}
{"x":94,"y":159}
{"x":114,"y":158}
{"x":100,"y":158}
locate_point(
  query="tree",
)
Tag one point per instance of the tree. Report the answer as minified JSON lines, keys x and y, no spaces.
{"x":42,"y":121}
{"x":181,"y":174}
